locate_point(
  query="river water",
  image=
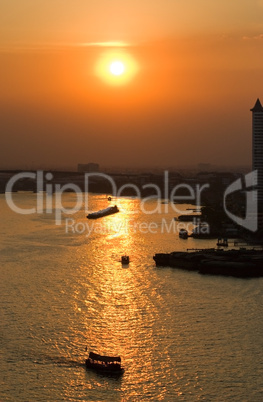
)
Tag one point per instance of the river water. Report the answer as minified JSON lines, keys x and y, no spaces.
{"x":182,"y":336}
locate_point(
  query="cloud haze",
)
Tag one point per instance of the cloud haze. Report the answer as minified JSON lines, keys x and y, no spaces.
{"x":199,"y":72}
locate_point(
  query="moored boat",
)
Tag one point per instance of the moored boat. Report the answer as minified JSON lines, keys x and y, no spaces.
{"x":183,"y":234}
{"x":222,"y":242}
{"x":242,"y":263}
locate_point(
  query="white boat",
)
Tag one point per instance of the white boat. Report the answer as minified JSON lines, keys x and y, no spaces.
{"x":103,"y":212}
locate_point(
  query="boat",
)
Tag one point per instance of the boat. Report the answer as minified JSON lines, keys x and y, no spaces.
{"x":222,"y":242}
{"x":103,"y":212}
{"x":125,"y":259}
{"x":104,"y":364}
{"x":242,"y":263}
{"x":183,"y":234}
{"x":109,"y":198}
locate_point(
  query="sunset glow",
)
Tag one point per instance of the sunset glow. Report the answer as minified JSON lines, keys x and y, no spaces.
{"x":116,"y":67}
{"x":167,"y":75}
{"x":131,"y":192}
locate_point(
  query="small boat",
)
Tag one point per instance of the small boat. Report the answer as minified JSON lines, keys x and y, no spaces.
{"x":125,"y":259}
{"x":109,"y":198}
{"x":222,"y":242}
{"x":183,"y":234}
{"x":103,"y":212}
{"x":104,"y":364}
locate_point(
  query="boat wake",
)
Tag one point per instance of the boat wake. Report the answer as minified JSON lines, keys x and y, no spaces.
{"x":58,"y":361}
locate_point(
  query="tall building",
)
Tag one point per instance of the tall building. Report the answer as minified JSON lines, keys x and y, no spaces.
{"x":257,"y":157}
{"x":257,"y":146}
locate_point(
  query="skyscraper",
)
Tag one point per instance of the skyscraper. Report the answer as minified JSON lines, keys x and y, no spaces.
{"x":257,"y":154}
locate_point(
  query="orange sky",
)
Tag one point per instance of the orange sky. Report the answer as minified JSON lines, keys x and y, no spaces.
{"x":198,"y":72}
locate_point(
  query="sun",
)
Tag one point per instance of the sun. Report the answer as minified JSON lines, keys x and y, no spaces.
{"x":116,"y":67}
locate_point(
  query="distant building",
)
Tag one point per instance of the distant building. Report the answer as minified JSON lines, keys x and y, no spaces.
{"x":88,"y":168}
{"x":204,"y":166}
{"x":257,"y":153}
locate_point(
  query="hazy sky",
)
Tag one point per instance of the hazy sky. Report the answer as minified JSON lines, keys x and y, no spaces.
{"x":193,"y":69}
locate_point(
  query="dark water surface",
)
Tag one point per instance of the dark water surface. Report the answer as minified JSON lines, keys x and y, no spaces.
{"x":182,"y":336}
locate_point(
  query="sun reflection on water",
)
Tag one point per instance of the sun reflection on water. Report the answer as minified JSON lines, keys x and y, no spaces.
{"x":123,"y":311}
{"x":119,"y":313}
{"x":64,"y":291}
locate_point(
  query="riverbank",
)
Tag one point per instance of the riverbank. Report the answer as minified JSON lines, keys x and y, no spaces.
{"x":242,"y":263}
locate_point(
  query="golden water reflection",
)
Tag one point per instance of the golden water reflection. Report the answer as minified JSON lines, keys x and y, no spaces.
{"x":124,"y":310}
{"x":64,"y":291}
{"x":120,"y":311}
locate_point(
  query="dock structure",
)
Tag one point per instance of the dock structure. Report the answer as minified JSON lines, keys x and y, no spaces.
{"x":242,"y":263}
